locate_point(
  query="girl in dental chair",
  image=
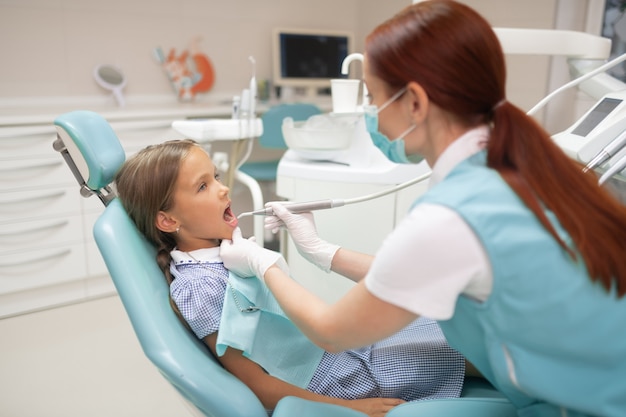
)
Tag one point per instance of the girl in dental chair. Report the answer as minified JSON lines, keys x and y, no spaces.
{"x":173,"y":194}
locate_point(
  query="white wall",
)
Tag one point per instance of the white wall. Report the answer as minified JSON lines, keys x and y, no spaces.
{"x":50,"y":47}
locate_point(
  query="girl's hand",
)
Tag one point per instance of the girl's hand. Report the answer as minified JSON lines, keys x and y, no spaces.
{"x":374,"y":407}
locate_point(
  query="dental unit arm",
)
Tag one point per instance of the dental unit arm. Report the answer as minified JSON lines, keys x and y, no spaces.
{"x":599,"y":136}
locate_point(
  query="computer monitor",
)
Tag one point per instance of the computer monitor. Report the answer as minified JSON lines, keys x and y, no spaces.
{"x":305,"y":58}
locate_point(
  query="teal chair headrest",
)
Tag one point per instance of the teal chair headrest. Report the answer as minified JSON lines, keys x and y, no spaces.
{"x":92,"y":145}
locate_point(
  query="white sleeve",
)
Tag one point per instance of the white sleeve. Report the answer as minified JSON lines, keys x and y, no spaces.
{"x":431,"y":258}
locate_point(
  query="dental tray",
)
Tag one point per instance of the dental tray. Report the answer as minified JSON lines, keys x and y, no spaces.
{"x":319,"y":133}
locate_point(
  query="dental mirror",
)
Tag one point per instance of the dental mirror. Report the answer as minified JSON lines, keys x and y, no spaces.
{"x":111,"y":78}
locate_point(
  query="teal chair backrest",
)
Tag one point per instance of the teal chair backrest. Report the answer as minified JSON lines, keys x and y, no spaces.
{"x":180,"y":357}
{"x":88,"y":141}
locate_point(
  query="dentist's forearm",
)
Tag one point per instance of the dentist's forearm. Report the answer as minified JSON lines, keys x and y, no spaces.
{"x":351,"y":264}
{"x":359,"y":318}
{"x":307,"y":311}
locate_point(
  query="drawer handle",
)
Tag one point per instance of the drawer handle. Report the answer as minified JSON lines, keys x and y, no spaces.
{"x":35,"y":198}
{"x":32,"y":261}
{"x":35,"y":229}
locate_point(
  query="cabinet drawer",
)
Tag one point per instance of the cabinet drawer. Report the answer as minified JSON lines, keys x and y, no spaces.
{"x":41,"y":267}
{"x":15,"y":205}
{"x":41,"y":233}
{"x":27,"y":140}
{"x":38,"y":172}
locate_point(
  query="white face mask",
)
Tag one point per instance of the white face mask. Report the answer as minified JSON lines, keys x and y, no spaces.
{"x":394,"y":150}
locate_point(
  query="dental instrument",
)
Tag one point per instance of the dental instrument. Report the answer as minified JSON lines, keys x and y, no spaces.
{"x":614,"y":169}
{"x":298,"y":207}
{"x":607,"y":152}
{"x":601,"y":133}
{"x":333,"y":203}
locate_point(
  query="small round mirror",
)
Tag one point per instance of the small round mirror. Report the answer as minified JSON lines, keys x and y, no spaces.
{"x":111,"y":78}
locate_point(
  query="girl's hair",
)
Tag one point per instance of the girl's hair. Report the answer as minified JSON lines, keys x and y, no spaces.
{"x":453,"y":53}
{"x":145,"y":185}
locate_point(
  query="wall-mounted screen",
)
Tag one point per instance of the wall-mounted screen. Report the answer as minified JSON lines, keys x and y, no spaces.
{"x":308,"y":58}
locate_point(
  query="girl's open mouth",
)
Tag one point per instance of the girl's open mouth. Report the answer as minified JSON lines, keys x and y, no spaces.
{"x":229,"y":217}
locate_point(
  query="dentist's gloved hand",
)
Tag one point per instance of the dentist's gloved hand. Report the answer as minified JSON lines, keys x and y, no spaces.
{"x":247,"y":259}
{"x":303,"y":232}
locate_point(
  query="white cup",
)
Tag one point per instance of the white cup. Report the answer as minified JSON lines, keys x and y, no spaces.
{"x":345,"y":94}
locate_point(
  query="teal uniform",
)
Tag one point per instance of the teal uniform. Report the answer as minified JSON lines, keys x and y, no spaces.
{"x":549,"y":338}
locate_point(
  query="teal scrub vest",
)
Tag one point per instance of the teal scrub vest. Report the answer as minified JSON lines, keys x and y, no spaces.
{"x":549,"y":338}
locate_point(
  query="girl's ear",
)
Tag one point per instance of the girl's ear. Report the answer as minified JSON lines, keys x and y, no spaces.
{"x":165,"y":223}
{"x":419,"y":101}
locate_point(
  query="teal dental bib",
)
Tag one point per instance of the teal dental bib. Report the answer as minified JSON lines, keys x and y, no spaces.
{"x":253,"y":322}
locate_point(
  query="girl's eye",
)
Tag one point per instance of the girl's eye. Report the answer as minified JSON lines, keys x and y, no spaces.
{"x":202,"y":187}
{"x":218,"y":177}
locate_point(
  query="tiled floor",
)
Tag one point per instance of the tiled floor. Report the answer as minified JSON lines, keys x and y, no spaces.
{"x":80,"y":360}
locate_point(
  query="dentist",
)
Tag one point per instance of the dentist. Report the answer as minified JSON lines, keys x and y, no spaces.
{"x":518,"y":255}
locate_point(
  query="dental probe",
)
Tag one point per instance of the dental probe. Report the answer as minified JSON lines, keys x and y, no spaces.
{"x":297,"y":207}
{"x":332,"y":203}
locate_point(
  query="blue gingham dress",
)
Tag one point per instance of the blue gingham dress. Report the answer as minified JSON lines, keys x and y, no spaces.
{"x":414,"y":364}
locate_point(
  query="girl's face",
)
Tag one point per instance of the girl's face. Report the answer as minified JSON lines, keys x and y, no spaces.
{"x":200,"y":216}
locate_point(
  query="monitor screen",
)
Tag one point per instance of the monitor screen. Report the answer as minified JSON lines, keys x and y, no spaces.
{"x":309,"y":58}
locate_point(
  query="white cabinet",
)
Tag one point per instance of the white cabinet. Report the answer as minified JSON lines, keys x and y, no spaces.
{"x":42,"y":243}
{"x":48,"y":256}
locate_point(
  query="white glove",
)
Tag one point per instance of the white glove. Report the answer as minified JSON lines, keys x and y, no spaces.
{"x":303,"y":232}
{"x":247,"y":259}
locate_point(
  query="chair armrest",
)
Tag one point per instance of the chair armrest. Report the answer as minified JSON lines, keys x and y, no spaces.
{"x":294,"y":406}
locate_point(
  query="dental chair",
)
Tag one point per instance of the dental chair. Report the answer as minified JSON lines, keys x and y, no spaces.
{"x":93,"y":153}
